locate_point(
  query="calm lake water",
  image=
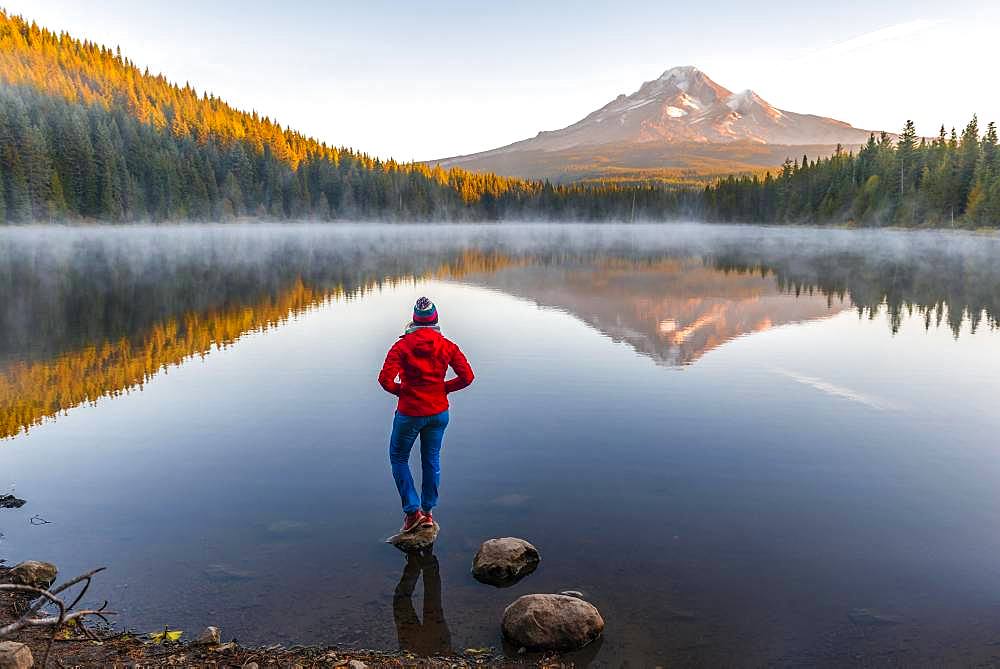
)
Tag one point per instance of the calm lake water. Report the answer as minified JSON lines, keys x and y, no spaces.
{"x":746,"y":446}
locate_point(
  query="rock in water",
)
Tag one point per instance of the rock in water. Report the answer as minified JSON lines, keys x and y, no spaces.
{"x":36,"y":574}
{"x":504,"y":562}
{"x":552,"y":622}
{"x":418,"y":540}
{"x":11,"y":502}
{"x":574,"y":593}
{"x":15,"y":656}
{"x":210,"y":636}
{"x":869,"y":617}
{"x":225,"y":572}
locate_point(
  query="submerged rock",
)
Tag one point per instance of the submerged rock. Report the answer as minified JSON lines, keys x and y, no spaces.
{"x":510,"y":501}
{"x":36,"y":574}
{"x":869,"y":617}
{"x":283,"y":527}
{"x":552,"y":622}
{"x":504,"y":562}
{"x":210,"y":636}
{"x":11,"y":502}
{"x":225,"y":572}
{"x":415,"y":541}
{"x":15,"y":655}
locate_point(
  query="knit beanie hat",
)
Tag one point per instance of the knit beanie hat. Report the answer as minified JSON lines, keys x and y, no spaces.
{"x":424,"y":312}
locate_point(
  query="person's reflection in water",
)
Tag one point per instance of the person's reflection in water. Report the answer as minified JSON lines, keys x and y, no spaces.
{"x":430,"y":637}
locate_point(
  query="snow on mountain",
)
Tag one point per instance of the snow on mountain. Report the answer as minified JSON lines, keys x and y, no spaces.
{"x":683,"y":105}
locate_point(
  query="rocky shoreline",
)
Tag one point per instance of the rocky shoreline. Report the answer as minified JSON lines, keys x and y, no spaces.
{"x":540,"y":626}
{"x":126,"y":651}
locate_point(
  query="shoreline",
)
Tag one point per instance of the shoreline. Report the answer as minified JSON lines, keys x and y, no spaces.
{"x":129,"y":649}
{"x":68,"y":646}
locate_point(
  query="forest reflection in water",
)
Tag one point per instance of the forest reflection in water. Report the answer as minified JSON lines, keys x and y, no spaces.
{"x":86,"y":313}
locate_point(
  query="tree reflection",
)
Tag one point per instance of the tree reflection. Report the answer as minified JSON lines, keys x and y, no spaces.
{"x":89,"y":314}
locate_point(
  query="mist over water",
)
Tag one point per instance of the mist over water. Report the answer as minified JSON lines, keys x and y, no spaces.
{"x":745,"y":445}
{"x":118,"y":280}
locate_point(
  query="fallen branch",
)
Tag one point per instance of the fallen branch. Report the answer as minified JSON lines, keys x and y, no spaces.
{"x":65,"y":616}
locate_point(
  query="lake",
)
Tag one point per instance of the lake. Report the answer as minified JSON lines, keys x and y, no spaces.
{"x":745,"y":445}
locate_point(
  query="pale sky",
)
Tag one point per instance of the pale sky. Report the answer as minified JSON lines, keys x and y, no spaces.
{"x":420,"y":82}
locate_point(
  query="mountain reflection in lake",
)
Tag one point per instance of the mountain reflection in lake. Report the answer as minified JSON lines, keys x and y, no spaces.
{"x":674,"y":310}
{"x":823,"y":453}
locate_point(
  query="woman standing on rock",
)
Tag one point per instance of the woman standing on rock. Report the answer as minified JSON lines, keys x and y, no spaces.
{"x":420,"y":359}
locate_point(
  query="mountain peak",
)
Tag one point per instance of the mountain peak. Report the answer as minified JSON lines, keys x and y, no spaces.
{"x":682,"y":72}
{"x":683,"y":106}
{"x":697,"y":86}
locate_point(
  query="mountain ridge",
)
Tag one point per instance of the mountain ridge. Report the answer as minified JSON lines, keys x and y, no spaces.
{"x":683,"y":106}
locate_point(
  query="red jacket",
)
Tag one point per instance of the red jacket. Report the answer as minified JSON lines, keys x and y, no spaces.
{"x":421,"y":360}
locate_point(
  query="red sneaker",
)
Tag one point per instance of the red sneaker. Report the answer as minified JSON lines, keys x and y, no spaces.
{"x":427,"y":520}
{"x":412,"y":521}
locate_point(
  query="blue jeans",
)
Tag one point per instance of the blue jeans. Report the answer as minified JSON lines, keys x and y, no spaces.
{"x":405,"y":430}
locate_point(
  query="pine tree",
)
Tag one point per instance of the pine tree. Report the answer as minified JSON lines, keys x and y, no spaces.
{"x":991,"y":208}
{"x":233,"y":195}
{"x":991,"y":151}
{"x":906,"y":157}
{"x":57,"y":198}
{"x":906,"y":153}
{"x":968,"y":158}
{"x":18,"y":195}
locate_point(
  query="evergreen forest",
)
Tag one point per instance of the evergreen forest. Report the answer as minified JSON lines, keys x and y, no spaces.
{"x":86,"y":135}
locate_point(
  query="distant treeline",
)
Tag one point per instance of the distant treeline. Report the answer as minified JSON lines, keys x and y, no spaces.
{"x":63,"y":161}
{"x":87,"y":135}
{"x":951,"y":180}
{"x":84,"y":134}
